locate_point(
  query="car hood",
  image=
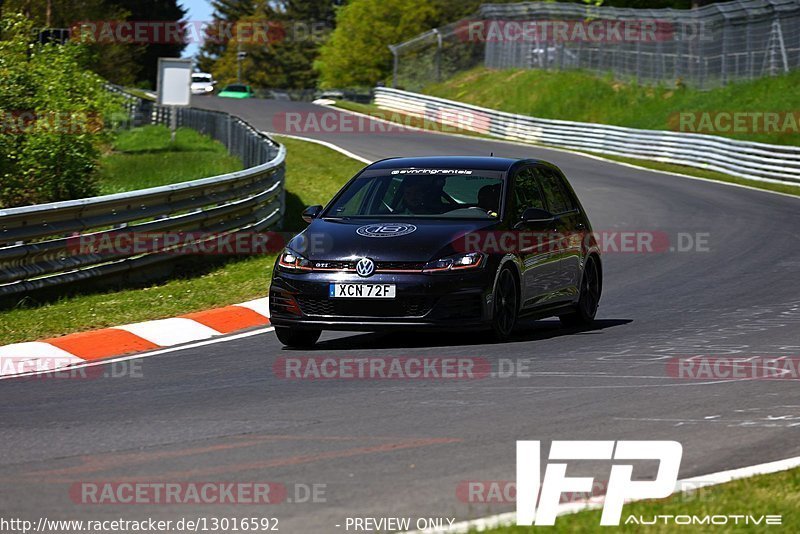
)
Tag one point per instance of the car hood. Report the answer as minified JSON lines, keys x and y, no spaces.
{"x":398,"y":240}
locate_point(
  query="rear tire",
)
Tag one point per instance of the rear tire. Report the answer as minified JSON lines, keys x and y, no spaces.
{"x":296,"y":338}
{"x":504,"y":316}
{"x":591,"y":289}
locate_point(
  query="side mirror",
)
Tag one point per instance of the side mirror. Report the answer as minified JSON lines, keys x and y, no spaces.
{"x":536,"y":216}
{"x":310,"y":213}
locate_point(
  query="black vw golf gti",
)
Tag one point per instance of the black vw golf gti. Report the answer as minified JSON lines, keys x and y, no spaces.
{"x":439,"y":242}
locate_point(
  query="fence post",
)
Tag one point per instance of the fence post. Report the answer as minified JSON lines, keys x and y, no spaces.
{"x":438,"y":54}
{"x":776,"y":26}
{"x":394,"y":50}
{"x":724,"y":59}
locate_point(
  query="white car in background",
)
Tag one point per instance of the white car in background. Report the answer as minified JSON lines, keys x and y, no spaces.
{"x":202,"y":83}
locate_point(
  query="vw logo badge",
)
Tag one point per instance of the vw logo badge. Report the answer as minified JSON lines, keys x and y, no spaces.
{"x":365,"y":267}
{"x":386,"y":230}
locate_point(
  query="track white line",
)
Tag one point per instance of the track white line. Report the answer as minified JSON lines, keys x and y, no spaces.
{"x":683,"y":485}
{"x":326,"y":144}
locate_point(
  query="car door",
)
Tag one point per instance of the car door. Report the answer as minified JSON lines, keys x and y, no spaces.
{"x":568,"y":224}
{"x":540,"y":261}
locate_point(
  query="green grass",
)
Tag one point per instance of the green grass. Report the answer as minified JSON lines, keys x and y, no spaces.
{"x":375,"y":111}
{"x":776,"y":494}
{"x":579,"y":96}
{"x":314,"y":174}
{"x":145,"y":157}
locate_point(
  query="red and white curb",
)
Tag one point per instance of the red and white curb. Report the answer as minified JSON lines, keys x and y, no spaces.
{"x":52,"y":354}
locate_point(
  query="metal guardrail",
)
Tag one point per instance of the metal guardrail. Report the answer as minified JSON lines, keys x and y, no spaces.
{"x":754,"y":161}
{"x":37,"y":242}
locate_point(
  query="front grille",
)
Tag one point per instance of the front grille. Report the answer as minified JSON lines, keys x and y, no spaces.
{"x":324,"y":265}
{"x":399,"y":307}
{"x":399,"y":266}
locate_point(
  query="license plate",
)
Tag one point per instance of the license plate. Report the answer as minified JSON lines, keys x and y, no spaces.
{"x":363,"y":291}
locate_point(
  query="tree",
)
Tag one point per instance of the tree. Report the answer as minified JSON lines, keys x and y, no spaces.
{"x":225,"y":12}
{"x":296,"y":29}
{"x":356,"y":54}
{"x":122,"y":63}
{"x":303,"y":25}
{"x":154,"y":10}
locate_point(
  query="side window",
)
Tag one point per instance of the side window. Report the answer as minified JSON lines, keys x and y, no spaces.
{"x":558,"y":200}
{"x":526,"y":192}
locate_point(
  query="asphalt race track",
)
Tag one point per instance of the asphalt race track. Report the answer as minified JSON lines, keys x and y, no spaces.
{"x":386,"y":448}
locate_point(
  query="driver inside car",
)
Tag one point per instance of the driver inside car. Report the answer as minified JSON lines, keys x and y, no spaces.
{"x":422,"y":196}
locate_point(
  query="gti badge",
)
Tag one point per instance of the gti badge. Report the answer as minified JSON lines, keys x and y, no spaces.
{"x":365,"y":267}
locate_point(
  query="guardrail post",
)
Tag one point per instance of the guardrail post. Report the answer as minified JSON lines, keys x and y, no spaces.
{"x":228,"y":132}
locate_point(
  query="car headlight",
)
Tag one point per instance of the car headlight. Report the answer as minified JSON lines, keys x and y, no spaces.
{"x":292,"y":261}
{"x":472,"y":260}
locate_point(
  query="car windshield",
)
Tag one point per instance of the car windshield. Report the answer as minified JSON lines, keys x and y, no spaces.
{"x":237,"y":88}
{"x":400,"y":193}
{"x":200,"y":78}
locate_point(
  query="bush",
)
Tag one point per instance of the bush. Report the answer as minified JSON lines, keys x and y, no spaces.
{"x":53,"y":113}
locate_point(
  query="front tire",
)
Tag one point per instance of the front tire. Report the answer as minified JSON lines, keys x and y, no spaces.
{"x":296,"y":338}
{"x":591,"y":288}
{"x":504,"y":316}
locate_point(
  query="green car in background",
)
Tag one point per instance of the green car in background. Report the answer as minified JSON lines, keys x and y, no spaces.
{"x":237,"y":90}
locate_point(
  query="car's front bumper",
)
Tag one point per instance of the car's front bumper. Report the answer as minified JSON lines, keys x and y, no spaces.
{"x":445,"y":301}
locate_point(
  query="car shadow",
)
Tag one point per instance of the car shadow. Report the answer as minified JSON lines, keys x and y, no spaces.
{"x":527,"y":330}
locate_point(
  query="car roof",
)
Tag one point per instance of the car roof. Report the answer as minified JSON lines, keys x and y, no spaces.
{"x":488,"y":163}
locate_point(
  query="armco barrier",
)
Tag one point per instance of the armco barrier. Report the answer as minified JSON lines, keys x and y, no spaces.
{"x":35,"y":240}
{"x":755,"y":161}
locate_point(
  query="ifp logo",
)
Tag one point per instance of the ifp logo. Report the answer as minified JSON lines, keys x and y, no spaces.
{"x":620,"y":486}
